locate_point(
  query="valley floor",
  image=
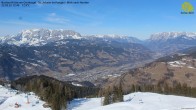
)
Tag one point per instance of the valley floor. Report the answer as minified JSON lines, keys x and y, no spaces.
{"x":137,"y":101}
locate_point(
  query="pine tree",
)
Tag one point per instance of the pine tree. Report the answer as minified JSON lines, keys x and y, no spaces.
{"x":120,"y":93}
{"x":166,"y":89}
{"x":133,"y":88}
{"x":106,"y":98}
{"x":184,"y":89}
{"x":114,"y":95}
{"x":178,"y":89}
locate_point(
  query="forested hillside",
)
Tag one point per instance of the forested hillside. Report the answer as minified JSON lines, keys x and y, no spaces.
{"x":56,"y":93}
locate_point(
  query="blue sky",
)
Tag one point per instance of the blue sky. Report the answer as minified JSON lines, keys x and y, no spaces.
{"x":138,"y":18}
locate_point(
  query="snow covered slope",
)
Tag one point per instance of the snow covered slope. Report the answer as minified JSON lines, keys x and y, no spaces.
{"x":133,"y":101}
{"x":9,"y":97}
{"x":137,"y":101}
{"x":38,"y":37}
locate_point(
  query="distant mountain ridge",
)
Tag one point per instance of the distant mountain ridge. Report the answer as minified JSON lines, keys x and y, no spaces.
{"x":172,"y":35}
{"x":157,"y":42}
{"x":171,"y":42}
{"x":39,"y":37}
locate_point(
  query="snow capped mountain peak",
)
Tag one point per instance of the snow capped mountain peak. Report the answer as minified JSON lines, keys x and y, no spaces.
{"x":110,"y":35}
{"x":114,"y":37}
{"x":172,"y":35}
{"x":43,"y":33}
{"x":37,"y":37}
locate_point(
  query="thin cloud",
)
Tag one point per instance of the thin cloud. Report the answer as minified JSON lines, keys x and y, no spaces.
{"x":54,"y":18}
{"x":91,"y":15}
{"x":27,"y":24}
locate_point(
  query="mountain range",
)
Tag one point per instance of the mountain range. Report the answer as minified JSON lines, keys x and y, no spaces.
{"x":65,"y":54}
{"x":163,"y":43}
{"x":39,"y":37}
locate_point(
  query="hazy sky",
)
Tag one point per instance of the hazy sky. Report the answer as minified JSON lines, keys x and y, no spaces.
{"x":138,"y":18}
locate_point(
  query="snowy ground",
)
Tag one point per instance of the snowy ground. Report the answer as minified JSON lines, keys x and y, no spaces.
{"x":137,"y":101}
{"x":134,"y":101}
{"x":8,"y":98}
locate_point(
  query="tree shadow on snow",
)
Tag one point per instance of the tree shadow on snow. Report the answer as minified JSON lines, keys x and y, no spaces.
{"x":76,"y":103}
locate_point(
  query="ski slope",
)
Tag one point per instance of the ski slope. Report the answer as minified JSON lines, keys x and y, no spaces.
{"x":8,"y":98}
{"x":137,"y":101}
{"x":133,"y":101}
